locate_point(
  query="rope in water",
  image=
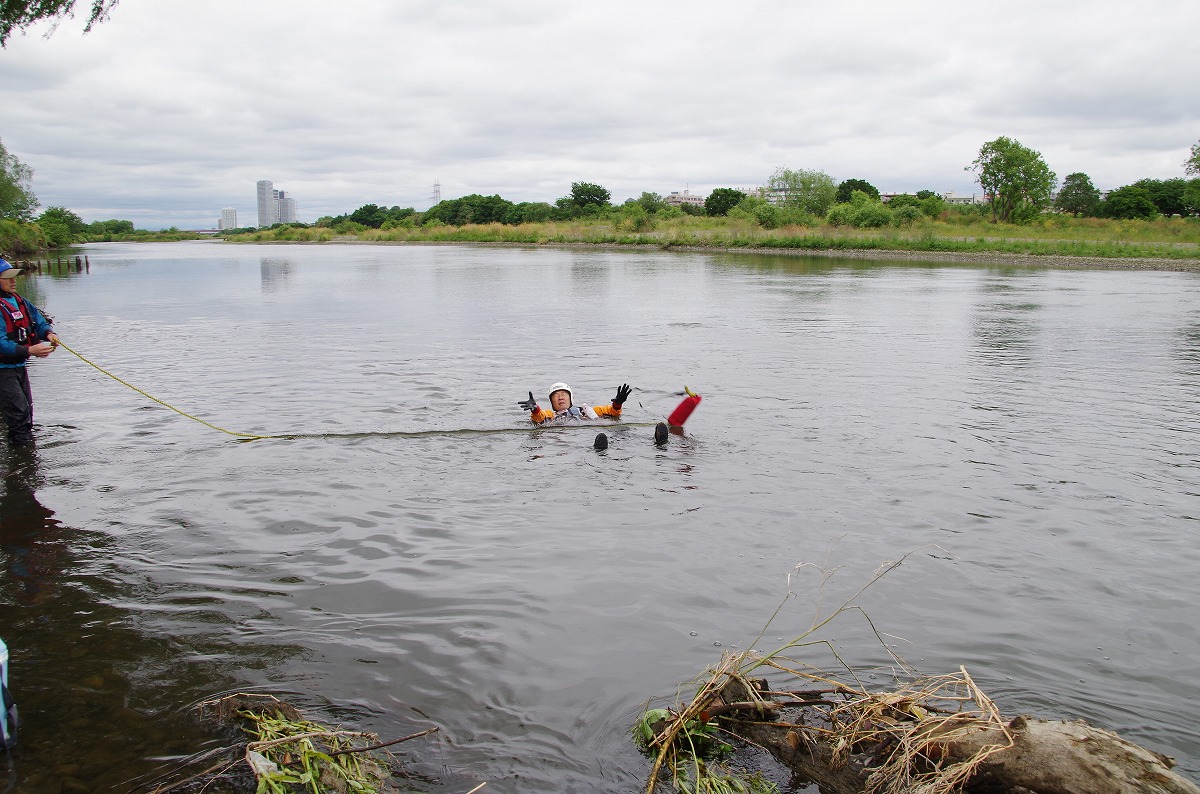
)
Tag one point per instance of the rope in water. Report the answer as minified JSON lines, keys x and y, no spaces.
{"x":247,"y":436}
{"x":255,"y":437}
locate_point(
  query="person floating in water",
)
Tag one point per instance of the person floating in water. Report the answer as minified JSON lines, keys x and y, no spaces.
{"x":27,"y":333}
{"x":562,"y":407}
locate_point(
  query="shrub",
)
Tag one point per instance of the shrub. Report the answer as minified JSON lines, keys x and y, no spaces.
{"x":906,"y":215}
{"x":870,"y":214}
{"x":794,"y":216}
{"x":839,"y":215}
{"x":348,"y":227}
{"x":634,"y":218}
{"x":933,"y":206}
{"x":18,"y":238}
{"x":767,"y":216}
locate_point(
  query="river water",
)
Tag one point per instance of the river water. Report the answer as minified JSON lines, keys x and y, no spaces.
{"x":417,"y":555}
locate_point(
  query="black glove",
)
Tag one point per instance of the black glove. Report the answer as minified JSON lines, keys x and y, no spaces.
{"x":529,"y":405}
{"x":622,"y":394}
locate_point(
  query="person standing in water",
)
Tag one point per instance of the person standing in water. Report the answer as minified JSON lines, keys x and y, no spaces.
{"x":27,"y":333}
{"x":562,"y":405}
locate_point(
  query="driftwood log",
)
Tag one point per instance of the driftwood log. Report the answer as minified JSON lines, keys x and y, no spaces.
{"x":1023,"y":756}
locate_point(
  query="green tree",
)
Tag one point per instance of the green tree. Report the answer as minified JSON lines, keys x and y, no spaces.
{"x":652,"y":203}
{"x":1191,"y":197}
{"x":530,"y":212}
{"x":924,"y":194}
{"x":722,"y":200}
{"x":1014,"y":177}
{"x":20,"y":14}
{"x":469,"y":209}
{"x":110,"y":227}
{"x":370,"y":215}
{"x":62,"y":227}
{"x":1130,"y":202}
{"x":1078,"y":195}
{"x":850,"y":185}
{"x":17,"y":201}
{"x":904,"y":200}
{"x":64,"y":216}
{"x":1167,"y":194}
{"x":810,"y":191}
{"x":1192,"y":166}
{"x":588,"y":194}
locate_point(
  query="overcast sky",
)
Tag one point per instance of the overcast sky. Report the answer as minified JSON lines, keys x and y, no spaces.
{"x":170,"y":111}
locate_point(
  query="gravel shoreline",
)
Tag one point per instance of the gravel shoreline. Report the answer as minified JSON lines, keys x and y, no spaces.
{"x":985,"y":258}
{"x":1191,"y":265}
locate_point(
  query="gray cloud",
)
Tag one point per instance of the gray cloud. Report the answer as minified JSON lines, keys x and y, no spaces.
{"x":168,"y":112}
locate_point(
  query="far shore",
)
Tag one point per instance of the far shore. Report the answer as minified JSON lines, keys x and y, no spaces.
{"x":964,"y":257}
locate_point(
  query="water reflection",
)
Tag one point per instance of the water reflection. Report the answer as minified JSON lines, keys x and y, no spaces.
{"x":275,"y":274}
{"x":1188,"y":350}
{"x":30,"y":536}
{"x":1006,"y":325}
{"x":100,"y":696}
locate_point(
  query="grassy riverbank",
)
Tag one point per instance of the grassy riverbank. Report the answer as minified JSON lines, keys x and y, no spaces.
{"x":1056,"y":236}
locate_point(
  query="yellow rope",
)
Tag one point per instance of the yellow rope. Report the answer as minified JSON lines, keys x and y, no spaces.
{"x":253,"y":437}
{"x":248,"y":436}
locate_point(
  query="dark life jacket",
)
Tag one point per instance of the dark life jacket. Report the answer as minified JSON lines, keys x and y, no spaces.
{"x":18,"y":326}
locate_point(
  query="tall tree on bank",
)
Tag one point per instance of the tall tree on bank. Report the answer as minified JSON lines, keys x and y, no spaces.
{"x":810,"y":191}
{"x":1192,"y":166}
{"x":1078,"y":195}
{"x":588,"y":194}
{"x":722,"y":200}
{"x":17,"y":201}
{"x":1130,"y":202}
{"x":20,"y":14}
{"x":848,"y":187}
{"x":1015,"y":178}
{"x":1167,"y":194}
{"x":61,"y":226}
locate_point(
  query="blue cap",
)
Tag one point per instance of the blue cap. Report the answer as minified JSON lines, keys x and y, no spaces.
{"x":5,"y":267}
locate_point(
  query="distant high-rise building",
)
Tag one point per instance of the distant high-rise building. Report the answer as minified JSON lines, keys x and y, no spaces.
{"x":274,"y":206}
{"x":228,"y":219}
{"x":287,"y":208}
{"x":268,"y":210}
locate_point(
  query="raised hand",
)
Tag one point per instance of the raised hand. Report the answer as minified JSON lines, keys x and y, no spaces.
{"x":530,"y":404}
{"x":623,"y":392}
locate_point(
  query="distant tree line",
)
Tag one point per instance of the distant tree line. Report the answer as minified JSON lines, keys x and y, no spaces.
{"x":1016,"y":180}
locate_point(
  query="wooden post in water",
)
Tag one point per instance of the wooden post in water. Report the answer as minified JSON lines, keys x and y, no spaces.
{"x":78,"y":265}
{"x":86,"y":264}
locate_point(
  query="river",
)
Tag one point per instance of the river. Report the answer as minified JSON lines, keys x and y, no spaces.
{"x":414,"y":554}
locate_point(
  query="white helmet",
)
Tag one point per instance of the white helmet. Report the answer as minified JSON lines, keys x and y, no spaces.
{"x":562,"y":387}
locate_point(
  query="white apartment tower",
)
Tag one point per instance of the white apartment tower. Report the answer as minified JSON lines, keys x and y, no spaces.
{"x":228,"y":219}
{"x":285,"y":207}
{"x":268,"y":209}
{"x":274,"y":206}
